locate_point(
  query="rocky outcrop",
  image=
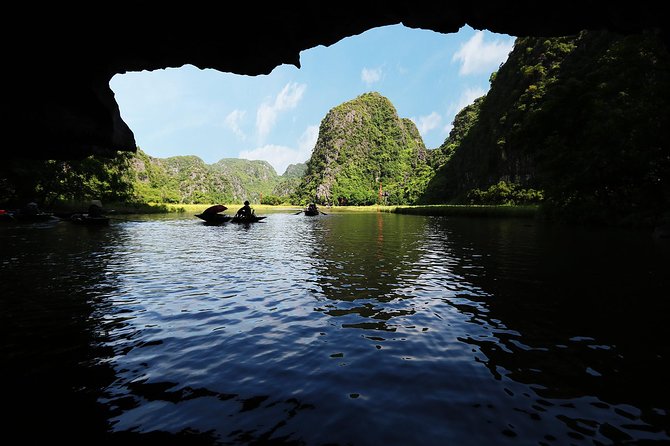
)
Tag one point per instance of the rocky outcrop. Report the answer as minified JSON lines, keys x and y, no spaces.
{"x":363,"y":146}
{"x":58,"y":60}
{"x":582,"y":118}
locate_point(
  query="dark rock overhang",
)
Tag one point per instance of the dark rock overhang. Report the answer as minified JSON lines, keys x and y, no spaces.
{"x":57,"y":62}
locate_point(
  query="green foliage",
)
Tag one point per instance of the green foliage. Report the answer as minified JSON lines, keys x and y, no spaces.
{"x":272,"y":200}
{"x":188,"y":180}
{"x":463,"y":122}
{"x":363,"y":144}
{"x":287,"y":187}
{"x":505,"y":193}
{"x":580,"y":117}
{"x":248,"y":179}
{"x":578,"y":123}
{"x":179,"y":179}
{"x":295,"y":171}
{"x":139,"y":178}
{"x":608,"y":159}
{"x":50,"y":181}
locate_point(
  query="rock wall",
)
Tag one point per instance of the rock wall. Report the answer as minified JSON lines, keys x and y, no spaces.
{"x":58,"y":60}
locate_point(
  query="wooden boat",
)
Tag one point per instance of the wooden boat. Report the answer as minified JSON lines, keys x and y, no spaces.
{"x":213,"y":218}
{"x":89,"y":220}
{"x":6,"y":215}
{"x":217,"y":208}
{"x":41,"y":216}
{"x":212,"y":215}
{"x":249,"y":219}
{"x":311,"y":211}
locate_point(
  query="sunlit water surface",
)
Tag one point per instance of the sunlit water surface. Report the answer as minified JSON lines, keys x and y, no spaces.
{"x":362,"y":329}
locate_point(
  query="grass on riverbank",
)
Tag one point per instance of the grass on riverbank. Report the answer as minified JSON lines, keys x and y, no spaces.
{"x":118,"y":207}
{"x":443,"y":210}
{"x":232,"y":208}
{"x":470,"y":210}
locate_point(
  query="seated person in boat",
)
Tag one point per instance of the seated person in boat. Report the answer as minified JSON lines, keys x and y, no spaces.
{"x":312,"y":208}
{"x":245,"y":211}
{"x":94,"y":210}
{"x":30,"y":209}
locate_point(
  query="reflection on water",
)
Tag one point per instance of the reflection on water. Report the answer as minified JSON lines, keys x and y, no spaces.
{"x":358,"y":329}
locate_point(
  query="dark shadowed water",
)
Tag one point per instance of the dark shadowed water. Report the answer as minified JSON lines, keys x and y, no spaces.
{"x":360,"y":329}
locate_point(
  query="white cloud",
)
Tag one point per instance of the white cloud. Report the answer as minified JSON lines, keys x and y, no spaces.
{"x":265,"y":120}
{"x":371,"y":75}
{"x":307,"y":140}
{"x":477,"y":56}
{"x":278,"y":156}
{"x":427,"y":123}
{"x":287,"y":99}
{"x":148,"y":89}
{"x":233,"y":121}
{"x":290,"y":95}
{"x":281,"y":156}
{"x":466,"y":98}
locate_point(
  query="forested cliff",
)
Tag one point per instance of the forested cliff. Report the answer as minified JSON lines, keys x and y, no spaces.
{"x":363,"y":145}
{"x":583,"y":118}
{"x":578,"y":123}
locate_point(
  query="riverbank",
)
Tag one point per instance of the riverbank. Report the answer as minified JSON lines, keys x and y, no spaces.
{"x":435,"y":210}
{"x":119,"y":208}
{"x":470,"y":210}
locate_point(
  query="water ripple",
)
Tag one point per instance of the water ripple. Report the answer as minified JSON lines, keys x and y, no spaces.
{"x":343,"y":329}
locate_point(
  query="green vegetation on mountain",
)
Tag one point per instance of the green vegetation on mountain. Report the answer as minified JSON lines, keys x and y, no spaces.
{"x":188,"y":180}
{"x":139,"y":178}
{"x":249,"y":179}
{"x":287,"y":184}
{"x":463,"y":122}
{"x":577,"y":123}
{"x":582,"y":118}
{"x":179,"y":179}
{"x":505,"y":193}
{"x":363,"y":144}
{"x":439,"y":157}
{"x":49,"y":181}
{"x":297,"y":170}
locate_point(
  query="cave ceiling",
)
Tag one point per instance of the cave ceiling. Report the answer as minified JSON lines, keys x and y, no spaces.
{"x":58,"y":62}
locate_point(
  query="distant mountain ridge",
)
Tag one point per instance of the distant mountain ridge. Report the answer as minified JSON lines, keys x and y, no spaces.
{"x":575,"y":122}
{"x":187,"y":179}
{"x":365,"y":154}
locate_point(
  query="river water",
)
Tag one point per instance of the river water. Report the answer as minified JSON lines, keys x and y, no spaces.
{"x":347,"y":329}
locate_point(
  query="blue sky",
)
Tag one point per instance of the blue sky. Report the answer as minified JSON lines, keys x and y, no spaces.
{"x":428,"y":76}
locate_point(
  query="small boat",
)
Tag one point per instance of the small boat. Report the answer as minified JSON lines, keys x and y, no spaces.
{"x":312,"y":210}
{"x":249,"y":219}
{"x":89,"y":220}
{"x":213,"y":219}
{"x":41,"y":216}
{"x":214,"y":209}
{"x":30,"y":213}
{"x":212,"y":215}
{"x":6,"y":215}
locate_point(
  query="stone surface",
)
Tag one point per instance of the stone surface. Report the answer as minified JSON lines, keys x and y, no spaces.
{"x":57,"y":61}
